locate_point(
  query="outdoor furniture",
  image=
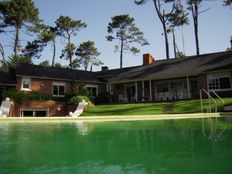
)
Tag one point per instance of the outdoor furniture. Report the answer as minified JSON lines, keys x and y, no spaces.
{"x":80,"y":108}
{"x":120,"y":98}
{"x":5,"y":107}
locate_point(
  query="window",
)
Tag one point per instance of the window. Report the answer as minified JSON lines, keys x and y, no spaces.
{"x":162,"y":88}
{"x":58,"y":89}
{"x":34,"y":112}
{"x":26,"y":84}
{"x":219,"y":83}
{"x":93,"y":89}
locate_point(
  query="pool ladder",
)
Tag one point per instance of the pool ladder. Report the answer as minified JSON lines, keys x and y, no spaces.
{"x":210,"y":100}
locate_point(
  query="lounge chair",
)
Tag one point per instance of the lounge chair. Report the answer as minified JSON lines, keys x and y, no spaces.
{"x":80,"y":108}
{"x":5,"y":107}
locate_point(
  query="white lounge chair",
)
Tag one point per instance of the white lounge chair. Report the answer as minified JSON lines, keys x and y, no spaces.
{"x":5,"y":107}
{"x":80,"y":108}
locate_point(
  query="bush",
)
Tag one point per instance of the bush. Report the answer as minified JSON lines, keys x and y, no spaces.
{"x":16,"y":95}
{"x":78,"y":99}
{"x":39,"y":96}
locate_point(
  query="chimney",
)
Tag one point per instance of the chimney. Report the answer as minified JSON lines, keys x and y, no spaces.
{"x":105,"y":68}
{"x":148,"y":59}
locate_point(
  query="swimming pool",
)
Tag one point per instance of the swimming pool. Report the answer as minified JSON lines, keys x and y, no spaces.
{"x":135,"y":147}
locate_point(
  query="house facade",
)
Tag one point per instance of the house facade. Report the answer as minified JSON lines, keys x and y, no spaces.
{"x":154,"y":81}
{"x":175,"y":79}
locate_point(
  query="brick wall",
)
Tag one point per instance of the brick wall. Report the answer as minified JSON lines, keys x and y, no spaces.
{"x":42,"y":85}
{"x":56,"y":108}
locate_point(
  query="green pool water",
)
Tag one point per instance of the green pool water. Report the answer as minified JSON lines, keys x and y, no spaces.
{"x":137,"y":147}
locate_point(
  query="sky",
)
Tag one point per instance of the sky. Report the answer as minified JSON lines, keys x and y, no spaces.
{"x":215,"y":28}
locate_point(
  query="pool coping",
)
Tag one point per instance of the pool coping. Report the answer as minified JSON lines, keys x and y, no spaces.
{"x":116,"y":117}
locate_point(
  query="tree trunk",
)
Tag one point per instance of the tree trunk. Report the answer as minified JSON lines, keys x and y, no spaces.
{"x":16,"y":44}
{"x":54,"y":52}
{"x":166,"y":40}
{"x":174,"y":41}
{"x":161,"y":16}
{"x":195,"y":21}
{"x":121,"y":52}
{"x":3,"y":54}
{"x":69,"y":51}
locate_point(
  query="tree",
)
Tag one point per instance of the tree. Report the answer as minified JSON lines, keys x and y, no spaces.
{"x":194,"y":7}
{"x":14,"y":61}
{"x":163,"y":17}
{"x":2,"y":54}
{"x":178,"y":18}
{"x":44,"y":63}
{"x":19,"y":14}
{"x":227,"y":2}
{"x":127,"y":33}
{"x":68,"y":52}
{"x":49,"y":34}
{"x":33,"y":49}
{"x":87,"y":54}
{"x":68,"y":27}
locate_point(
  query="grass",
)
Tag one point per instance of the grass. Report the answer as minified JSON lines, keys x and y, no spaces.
{"x":179,"y":107}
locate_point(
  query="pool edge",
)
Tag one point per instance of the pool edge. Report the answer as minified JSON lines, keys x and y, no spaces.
{"x":115,"y":118}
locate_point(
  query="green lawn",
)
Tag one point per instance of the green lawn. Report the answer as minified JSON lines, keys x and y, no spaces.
{"x":179,"y":107}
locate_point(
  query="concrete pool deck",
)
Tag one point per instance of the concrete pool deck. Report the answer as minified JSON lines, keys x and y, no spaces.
{"x":116,"y":118}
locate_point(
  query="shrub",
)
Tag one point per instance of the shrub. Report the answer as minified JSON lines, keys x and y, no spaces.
{"x":78,"y":99}
{"x":39,"y":96}
{"x":16,"y":95}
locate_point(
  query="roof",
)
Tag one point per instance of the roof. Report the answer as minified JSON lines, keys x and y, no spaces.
{"x":177,"y":68}
{"x":7,"y":78}
{"x":42,"y":72}
{"x":114,"y":72}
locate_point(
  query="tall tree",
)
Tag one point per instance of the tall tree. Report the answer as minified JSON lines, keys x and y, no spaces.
{"x":163,"y":16}
{"x":194,"y":7}
{"x":178,"y":18}
{"x":19,"y":14}
{"x":49,"y":34}
{"x":127,"y":33}
{"x":67,"y":28}
{"x":88,"y":53}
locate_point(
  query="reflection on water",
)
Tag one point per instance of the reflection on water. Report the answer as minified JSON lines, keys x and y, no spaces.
{"x":171,"y":146}
{"x":82,"y":127}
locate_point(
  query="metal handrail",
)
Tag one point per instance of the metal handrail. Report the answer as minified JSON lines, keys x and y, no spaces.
{"x":209,"y":97}
{"x":217,"y":96}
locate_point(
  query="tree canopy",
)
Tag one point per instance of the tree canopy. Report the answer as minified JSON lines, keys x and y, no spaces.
{"x":87,"y":54}
{"x":19,"y":14}
{"x":67,"y":27}
{"x":124,"y":29}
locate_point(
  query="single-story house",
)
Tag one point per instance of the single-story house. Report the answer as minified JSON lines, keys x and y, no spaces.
{"x":155,"y":80}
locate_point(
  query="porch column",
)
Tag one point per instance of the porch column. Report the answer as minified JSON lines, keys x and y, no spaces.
{"x":136,"y":91}
{"x":110,"y":88}
{"x":150,"y":90}
{"x":188,"y":91}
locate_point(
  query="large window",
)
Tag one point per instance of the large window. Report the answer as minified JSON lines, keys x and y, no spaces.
{"x":58,"y":89}
{"x":26,"y":84}
{"x":219,"y":82}
{"x":34,"y":113}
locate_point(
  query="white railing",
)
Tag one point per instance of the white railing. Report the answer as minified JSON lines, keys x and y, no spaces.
{"x":210,"y":98}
